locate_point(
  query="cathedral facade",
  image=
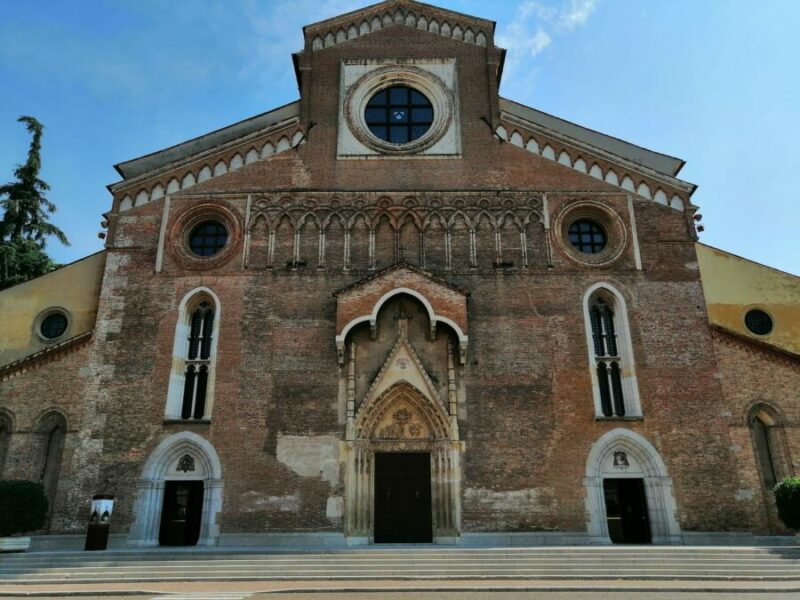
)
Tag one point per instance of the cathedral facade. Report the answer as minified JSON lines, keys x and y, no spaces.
{"x":402,"y":309}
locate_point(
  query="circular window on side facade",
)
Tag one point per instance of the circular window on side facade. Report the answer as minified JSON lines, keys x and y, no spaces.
{"x":590,"y":233}
{"x":51,"y":324}
{"x":205,"y":235}
{"x":758,"y":322}
{"x":399,"y":114}
{"x":208,"y":238}
{"x":587,"y":236}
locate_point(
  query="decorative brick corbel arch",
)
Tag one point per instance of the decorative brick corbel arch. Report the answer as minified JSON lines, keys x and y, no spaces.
{"x":362,"y":301}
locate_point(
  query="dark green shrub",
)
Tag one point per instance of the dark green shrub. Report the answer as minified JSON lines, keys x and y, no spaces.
{"x":787,"y":498}
{"x":23,"y":507}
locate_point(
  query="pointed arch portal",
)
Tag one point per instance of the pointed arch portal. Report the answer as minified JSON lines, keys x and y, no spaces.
{"x":629,"y":461}
{"x":185,"y":458}
{"x":403,"y":425}
{"x":403,"y":420}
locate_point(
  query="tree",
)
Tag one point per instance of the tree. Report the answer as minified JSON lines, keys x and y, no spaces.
{"x":25,"y":224}
{"x":787,"y":499}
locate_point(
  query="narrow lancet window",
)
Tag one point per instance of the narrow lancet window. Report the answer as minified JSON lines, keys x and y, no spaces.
{"x":198,"y":362}
{"x":191,"y":386}
{"x":610,"y":355}
{"x":607,"y":358}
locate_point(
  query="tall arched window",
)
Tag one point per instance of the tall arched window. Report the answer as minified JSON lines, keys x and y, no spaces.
{"x":192,"y":380}
{"x":5,"y":438}
{"x":770,"y":450}
{"x":611,"y":362}
{"x":52,"y":427}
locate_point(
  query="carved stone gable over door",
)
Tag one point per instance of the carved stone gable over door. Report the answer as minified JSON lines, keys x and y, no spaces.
{"x":401,"y":382}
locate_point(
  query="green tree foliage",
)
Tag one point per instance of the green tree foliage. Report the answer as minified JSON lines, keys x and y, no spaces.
{"x":25,"y":225}
{"x":23,"y":507}
{"x":787,"y":499}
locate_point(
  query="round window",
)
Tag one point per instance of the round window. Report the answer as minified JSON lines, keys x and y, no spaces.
{"x":53,"y":326}
{"x":758,"y":322}
{"x":208,"y":238}
{"x":587,"y":236}
{"x":399,"y":114}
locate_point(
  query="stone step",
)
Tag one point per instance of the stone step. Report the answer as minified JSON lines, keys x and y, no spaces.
{"x":648,"y":562}
{"x":347,"y":554}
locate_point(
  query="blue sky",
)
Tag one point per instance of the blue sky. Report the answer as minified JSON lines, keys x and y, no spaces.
{"x":713,"y":82}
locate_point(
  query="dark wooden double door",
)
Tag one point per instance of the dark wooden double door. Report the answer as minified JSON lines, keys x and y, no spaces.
{"x":403,"y":498}
{"x":182,"y":513}
{"x":626,"y":511}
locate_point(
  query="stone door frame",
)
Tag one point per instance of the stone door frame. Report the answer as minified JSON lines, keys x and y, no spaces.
{"x":661,"y":507}
{"x":360,"y":465}
{"x":168,"y":462}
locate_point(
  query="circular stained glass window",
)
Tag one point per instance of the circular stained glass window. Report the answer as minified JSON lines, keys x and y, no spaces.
{"x":53,"y":326}
{"x":587,"y":236}
{"x":758,"y":322}
{"x":208,"y":238}
{"x":399,"y":114}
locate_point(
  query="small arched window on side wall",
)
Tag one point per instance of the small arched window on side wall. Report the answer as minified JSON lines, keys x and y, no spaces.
{"x":52,"y":429}
{"x":191,"y":388}
{"x":766,"y":432}
{"x":6,"y":427}
{"x":615,"y":390}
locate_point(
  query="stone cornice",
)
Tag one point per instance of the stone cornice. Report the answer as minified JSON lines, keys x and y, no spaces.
{"x":45,"y":356}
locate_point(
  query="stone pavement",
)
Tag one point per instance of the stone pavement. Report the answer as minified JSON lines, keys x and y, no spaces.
{"x":367,"y":590}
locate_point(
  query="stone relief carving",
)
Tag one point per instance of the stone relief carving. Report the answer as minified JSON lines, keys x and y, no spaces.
{"x":402,"y":423}
{"x":621,"y":460}
{"x":186,"y":463}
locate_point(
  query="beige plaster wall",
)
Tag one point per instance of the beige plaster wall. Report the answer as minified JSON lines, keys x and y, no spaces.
{"x":74,"y":288}
{"x":733,"y":285}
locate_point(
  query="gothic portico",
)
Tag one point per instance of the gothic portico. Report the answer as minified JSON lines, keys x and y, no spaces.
{"x":401,"y":410}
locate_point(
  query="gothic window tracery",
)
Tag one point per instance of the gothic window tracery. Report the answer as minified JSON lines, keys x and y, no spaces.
{"x":198,"y":362}
{"x":191,"y":386}
{"x":611,"y":357}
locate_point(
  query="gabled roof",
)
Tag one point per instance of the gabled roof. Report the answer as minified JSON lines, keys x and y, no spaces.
{"x":401,"y":264}
{"x":662,"y":163}
{"x":155,"y":160}
{"x":402,"y":7}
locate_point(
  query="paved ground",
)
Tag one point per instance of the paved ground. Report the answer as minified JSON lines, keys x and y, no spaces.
{"x":484,"y":595}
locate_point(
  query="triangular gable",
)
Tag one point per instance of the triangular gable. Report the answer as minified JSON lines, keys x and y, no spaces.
{"x":406,"y":13}
{"x":402,"y":365}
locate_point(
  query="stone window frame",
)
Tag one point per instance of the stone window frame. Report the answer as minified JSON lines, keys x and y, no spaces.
{"x":181,"y":229}
{"x":773,"y":443}
{"x":607,"y":218}
{"x":180,"y":355}
{"x":7,"y":428}
{"x":430,"y":85}
{"x":52,"y":310}
{"x":630,"y":386}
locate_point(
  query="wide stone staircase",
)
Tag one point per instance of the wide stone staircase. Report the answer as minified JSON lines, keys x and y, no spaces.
{"x":407,"y":563}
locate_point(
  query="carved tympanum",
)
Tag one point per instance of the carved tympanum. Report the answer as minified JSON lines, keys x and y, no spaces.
{"x":402,"y":423}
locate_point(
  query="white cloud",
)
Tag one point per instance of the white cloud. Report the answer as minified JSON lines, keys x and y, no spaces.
{"x":536,"y":26}
{"x":576,"y":14}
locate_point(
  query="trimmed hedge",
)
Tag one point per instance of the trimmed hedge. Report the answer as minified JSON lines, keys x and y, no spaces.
{"x":23,"y":507}
{"x":787,"y":499}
